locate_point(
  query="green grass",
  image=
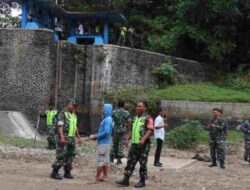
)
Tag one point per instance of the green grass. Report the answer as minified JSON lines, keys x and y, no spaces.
{"x":233,"y":137}
{"x":200,"y":92}
{"x":20,"y":142}
{"x":206,"y":92}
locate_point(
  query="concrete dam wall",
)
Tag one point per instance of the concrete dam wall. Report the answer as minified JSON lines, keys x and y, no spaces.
{"x":235,"y":113}
{"x":35,"y":69}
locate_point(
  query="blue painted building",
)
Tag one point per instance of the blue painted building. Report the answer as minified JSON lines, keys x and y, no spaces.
{"x":44,"y":13}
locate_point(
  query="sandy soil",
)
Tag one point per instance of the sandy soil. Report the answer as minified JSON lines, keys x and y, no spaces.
{"x":29,"y":170}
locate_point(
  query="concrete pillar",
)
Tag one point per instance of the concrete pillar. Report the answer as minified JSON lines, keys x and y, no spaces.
{"x":24,"y":13}
{"x":106,"y":33}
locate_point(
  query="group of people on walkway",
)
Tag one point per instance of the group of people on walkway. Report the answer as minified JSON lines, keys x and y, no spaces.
{"x":117,"y":129}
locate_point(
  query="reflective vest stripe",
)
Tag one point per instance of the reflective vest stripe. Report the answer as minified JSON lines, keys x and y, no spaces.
{"x":123,"y":31}
{"x":72,"y":125}
{"x":50,"y":116}
{"x":97,"y":29}
{"x":136,"y":129}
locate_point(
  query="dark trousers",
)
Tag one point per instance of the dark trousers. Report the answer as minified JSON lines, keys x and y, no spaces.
{"x":158,"y":150}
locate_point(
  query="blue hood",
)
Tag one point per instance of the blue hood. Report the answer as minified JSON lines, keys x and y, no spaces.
{"x":107,"y":110}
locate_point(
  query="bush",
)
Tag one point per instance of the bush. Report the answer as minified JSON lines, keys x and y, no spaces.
{"x":186,"y":136}
{"x":238,"y":81}
{"x":166,"y":74}
{"x":131,"y":96}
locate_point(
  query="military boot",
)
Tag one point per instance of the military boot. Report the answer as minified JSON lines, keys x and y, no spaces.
{"x":245,"y":158}
{"x":68,"y":175}
{"x":222,"y":165}
{"x":214,"y":163}
{"x":123,"y":182}
{"x":55,"y":175}
{"x":140,"y":184}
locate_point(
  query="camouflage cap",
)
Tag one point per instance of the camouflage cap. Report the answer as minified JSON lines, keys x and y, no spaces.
{"x":71,"y":101}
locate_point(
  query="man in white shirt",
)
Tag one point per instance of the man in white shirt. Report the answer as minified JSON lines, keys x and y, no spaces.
{"x":59,"y":30}
{"x":159,"y":133}
{"x":80,"y":29}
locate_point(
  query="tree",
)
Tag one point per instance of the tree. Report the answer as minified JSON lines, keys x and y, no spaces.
{"x":6,"y":18}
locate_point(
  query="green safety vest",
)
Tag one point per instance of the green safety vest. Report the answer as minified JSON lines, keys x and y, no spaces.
{"x":138,"y":125}
{"x":50,"y":116}
{"x":97,"y":29}
{"x":72,"y":123}
{"x":123,"y":31}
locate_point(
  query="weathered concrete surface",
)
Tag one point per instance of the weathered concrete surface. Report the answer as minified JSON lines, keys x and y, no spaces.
{"x":16,"y":124}
{"x":116,"y":66}
{"x":109,"y":67}
{"x":202,"y":110}
{"x":27,"y":70}
{"x":35,"y":69}
{"x":234,"y":112}
{"x":71,"y":78}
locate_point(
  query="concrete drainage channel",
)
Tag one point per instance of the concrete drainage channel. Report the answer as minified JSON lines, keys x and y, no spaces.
{"x":16,"y":124}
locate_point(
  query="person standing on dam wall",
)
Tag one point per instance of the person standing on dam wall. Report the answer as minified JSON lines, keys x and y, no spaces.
{"x":122,"y":122}
{"x":217,"y":128}
{"x":51,"y":115}
{"x":66,"y":141}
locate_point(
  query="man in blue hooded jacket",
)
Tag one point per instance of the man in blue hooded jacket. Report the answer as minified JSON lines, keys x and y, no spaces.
{"x":104,"y":142}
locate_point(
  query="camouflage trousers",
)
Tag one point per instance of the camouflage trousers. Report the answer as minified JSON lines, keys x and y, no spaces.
{"x":65,"y":154}
{"x":140,"y":155}
{"x":51,"y":136}
{"x":247,"y":151}
{"x":218,"y":151}
{"x":122,"y":41}
{"x":118,"y":145}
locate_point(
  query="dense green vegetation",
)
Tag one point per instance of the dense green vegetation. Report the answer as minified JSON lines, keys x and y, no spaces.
{"x":191,"y":133}
{"x":205,"y":30}
{"x":206,"y":92}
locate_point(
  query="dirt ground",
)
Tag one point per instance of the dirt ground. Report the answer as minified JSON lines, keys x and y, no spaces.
{"x":29,"y":170}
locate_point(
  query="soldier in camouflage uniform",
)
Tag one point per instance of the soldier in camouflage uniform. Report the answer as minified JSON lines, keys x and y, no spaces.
{"x":246,"y":129}
{"x":142,"y":129}
{"x":217,"y":128}
{"x":51,"y":115}
{"x":67,"y":131}
{"x":122,"y":120}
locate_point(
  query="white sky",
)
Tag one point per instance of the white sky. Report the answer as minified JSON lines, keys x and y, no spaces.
{"x":16,"y":12}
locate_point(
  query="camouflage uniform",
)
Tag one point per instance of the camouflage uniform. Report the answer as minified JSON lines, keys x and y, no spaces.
{"x":140,"y":126}
{"x":246,"y":129}
{"x":217,"y":136}
{"x":66,"y":154}
{"x":121,"y":117}
{"x":51,"y":125}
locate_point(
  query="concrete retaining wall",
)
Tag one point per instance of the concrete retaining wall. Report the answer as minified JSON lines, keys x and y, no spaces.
{"x":234,"y":112}
{"x":27,"y":70}
{"x":109,"y":67}
{"x":121,"y":66}
{"x":35,"y":69}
